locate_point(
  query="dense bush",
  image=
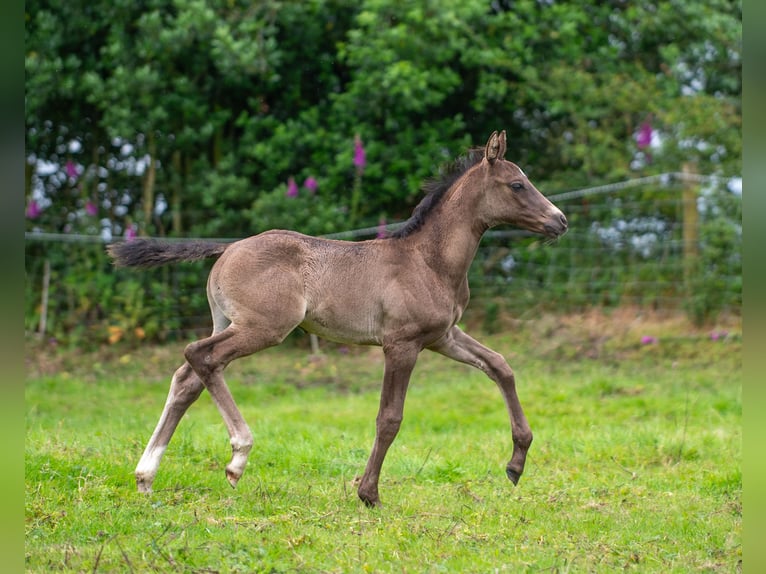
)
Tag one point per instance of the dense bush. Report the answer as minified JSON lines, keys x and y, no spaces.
{"x":193,"y":117}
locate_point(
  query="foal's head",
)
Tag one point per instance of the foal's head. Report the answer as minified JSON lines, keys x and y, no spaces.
{"x":511,"y":198}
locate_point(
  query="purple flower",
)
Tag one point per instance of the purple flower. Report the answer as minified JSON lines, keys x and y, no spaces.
{"x":644,"y":137}
{"x":71,"y":169}
{"x":648,"y":340}
{"x":292,"y":188}
{"x":360,"y":159}
{"x":310,"y":184}
{"x":33,"y":210}
{"x":91,"y":208}
{"x":130,"y":232}
{"x":716,"y":335}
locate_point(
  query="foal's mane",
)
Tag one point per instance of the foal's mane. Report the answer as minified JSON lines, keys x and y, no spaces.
{"x":436,"y":188}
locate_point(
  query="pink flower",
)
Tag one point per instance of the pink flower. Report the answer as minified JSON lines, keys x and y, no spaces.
{"x":644,"y":137}
{"x":716,"y":335}
{"x":91,"y":208}
{"x":33,"y":210}
{"x":130,"y":231}
{"x":292,"y":188}
{"x":71,"y":169}
{"x":310,"y":184}
{"x":648,"y":340}
{"x":360,"y":159}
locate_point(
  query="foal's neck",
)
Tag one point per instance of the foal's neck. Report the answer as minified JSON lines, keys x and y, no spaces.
{"x":449,"y":238}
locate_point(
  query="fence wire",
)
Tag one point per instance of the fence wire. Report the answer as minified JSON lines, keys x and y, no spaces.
{"x":627,"y":245}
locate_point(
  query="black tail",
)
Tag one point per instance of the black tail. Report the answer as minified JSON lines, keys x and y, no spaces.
{"x":153,"y":253}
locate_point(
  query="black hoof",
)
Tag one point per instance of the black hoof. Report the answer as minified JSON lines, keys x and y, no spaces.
{"x":371,"y":503}
{"x":513,"y":476}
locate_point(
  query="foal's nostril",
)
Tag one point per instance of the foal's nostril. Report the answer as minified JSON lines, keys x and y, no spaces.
{"x":554,"y":228}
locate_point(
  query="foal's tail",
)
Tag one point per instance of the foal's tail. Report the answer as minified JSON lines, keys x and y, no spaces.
{"x":153,"y":253}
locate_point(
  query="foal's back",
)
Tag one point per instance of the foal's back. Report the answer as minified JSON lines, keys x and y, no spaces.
{"x":350,"y":292}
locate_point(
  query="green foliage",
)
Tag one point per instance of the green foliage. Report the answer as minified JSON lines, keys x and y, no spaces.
{"x":188,"y":117}
{"x":308,"y":212}
{"x":91,"y":304}
{"x":715,"y":276}
{"x":278,"y":89}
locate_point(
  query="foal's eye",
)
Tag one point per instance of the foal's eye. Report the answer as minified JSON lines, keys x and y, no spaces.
{"x":516,"y":186}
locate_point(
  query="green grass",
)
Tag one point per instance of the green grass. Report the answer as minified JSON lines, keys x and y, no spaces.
{"x":636,"y":463}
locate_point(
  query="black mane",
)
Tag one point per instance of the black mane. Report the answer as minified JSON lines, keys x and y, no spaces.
{"x":435,"y":189}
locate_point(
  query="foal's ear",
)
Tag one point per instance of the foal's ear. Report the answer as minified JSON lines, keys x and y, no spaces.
{"x":501,"y":140}
{"x":495,"y":147}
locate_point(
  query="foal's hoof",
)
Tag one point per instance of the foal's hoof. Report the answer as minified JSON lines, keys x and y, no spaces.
{"x":143,"y":485}
{"x":370,"y":500}
{"x":233,"y":478}
{"x":513,"y":476}
{"x":369,"y":503}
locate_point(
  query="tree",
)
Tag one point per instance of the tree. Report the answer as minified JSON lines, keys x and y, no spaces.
{"x":224,"y":118}
{"x":218,"y":103}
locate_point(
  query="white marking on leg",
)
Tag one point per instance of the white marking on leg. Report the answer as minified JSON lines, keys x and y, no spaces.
{"x":147,"y":467}
{"x":240,"y":449}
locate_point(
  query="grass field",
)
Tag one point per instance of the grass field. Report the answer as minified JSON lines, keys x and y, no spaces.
{"x":636,"y":462}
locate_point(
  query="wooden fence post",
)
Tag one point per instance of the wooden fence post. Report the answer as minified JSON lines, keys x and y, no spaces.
{"x":44,"y":299}
{"x":690,"y":235}
{"x":314,"y":345}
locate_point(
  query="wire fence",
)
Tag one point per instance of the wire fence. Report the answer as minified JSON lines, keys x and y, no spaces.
{"x":666,"y":242}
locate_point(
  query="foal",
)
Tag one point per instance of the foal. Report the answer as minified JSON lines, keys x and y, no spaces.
{"x":405,"y":293}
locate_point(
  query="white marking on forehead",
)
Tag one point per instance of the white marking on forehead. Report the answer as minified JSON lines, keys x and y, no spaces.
{"x":521,"y":171}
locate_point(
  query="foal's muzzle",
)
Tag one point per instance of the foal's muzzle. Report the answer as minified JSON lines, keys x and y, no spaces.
{"x":556,"y":226}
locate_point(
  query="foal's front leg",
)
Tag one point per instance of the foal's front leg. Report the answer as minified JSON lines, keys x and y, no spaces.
{"x":461,"y":347}
{"x":399,"y":362}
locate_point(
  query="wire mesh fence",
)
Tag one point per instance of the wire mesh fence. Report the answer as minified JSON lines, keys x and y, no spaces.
{"x":667,"y":242}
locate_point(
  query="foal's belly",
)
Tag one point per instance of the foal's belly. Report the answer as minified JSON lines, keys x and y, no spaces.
{"x":365,"y":323}
{"x":350,"y":332}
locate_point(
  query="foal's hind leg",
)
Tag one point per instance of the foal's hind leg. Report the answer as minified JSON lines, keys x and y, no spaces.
{"x":185,"y":388}
{"x":209,"y":357}
{"x":465,"y":349}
